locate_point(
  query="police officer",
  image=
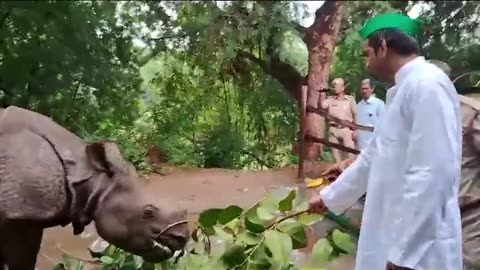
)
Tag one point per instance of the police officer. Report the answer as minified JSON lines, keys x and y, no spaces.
{"x":343,"y":107}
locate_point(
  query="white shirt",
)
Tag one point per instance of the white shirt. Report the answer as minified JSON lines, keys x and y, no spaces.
{"x":411,"y":174}
{"x":368,"y":112}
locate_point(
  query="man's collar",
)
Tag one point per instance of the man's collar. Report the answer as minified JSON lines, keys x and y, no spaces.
{"x":368,"y":100}
{"x":403,"y":72}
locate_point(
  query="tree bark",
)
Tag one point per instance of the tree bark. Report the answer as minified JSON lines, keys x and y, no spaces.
{"x":321,"y":37}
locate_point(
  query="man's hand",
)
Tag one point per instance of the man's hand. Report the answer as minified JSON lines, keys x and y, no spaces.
{"x":344,"y":164}
{"x":334,"y":168}
{"x":337,"y":167}
{"x":316,"y":205}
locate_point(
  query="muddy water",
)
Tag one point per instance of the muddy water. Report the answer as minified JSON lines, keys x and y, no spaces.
{"x":193,"y":189}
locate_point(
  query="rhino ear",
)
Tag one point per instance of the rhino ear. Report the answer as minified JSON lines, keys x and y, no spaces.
{"x":106,"y":156}
{"x":97,"y":157}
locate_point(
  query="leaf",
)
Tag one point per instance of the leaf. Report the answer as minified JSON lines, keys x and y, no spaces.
{"x":270,"y":203}
{"x":137,"y":261}
{"x":321,"y":251}
{"x":296,"y":231}
{"x":265,"y":213}
{"x":259,"y":260}
{"x":233,"y":226}
{"x":249,"y":238}
{"x":147,"y":266}
{"x":258,"y":264}
{"x":107,"y":260}
{"x":253,"y":223}
{"x":234,"y":256}
{"x":287,"y":203}
{"x":302,"y":206}
{"x":230,"y":213}
{"x":209,"y":218}
{"x":343,"y":241}
{"x":198,"y":261}
{"x":79,"y":265}
{"x":219,"y":232}
{"x":309,"y":219}
{"x":67,"y":261}
{"x":280,"y":245}
{"x":59,"y":266}
{"x":315,"y":183}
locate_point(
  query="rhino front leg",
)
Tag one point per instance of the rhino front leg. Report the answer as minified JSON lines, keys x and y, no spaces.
{"x":21,"y":246}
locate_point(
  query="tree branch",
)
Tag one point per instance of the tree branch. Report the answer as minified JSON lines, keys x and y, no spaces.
{"x":301,"y":30}
{"x":284,"y":73}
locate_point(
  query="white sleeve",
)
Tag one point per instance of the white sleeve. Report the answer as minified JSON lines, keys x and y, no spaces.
{"x":380,"y":108}
{"x":352,"y":183}
{"x":432,"y":165}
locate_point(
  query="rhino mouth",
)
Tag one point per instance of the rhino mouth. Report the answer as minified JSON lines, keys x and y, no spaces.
{"x":162,"y":251}
{"x":167,"y":244}
{"x":158,"y":253}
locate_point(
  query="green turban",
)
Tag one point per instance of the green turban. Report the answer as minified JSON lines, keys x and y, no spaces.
{"x":391,"y":21}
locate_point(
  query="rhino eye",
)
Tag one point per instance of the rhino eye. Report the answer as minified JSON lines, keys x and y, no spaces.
{"x":149,"y":211}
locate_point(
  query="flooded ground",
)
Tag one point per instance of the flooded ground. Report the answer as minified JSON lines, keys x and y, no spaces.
{"x":193,"y":189}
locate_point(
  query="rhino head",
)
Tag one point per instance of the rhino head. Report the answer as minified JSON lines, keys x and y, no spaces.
{"x":125,"y":214}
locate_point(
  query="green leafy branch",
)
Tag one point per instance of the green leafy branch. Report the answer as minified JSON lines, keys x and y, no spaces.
{"x":261,"y":237}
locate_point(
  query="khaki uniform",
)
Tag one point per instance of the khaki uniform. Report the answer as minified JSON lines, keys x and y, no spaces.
{"x":345,"y":109}
{"x":470,"y":185}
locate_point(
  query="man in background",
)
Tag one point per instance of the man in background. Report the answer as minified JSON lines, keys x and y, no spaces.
{"x":343,"y":107}
{"x":369,"y":110}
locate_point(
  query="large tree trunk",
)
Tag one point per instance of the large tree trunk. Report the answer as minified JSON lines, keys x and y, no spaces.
{"x":320,"y":39}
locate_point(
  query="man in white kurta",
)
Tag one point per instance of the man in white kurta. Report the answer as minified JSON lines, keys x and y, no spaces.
{"x":369,"y":109}
{"x":411,"y":168}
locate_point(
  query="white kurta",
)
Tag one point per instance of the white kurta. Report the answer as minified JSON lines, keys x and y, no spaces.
{"x":411,"y":173}
{"x":368,"y":113}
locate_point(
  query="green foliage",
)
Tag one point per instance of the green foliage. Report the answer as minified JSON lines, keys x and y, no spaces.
{"x":204,"y":81}
{"x":261,"y":237}
{"x":68,"y":60}
{"x":207,"y":120}
{"x":129,"y":139}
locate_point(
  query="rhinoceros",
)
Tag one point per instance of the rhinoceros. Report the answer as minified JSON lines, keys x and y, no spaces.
{"x":50,"y":177}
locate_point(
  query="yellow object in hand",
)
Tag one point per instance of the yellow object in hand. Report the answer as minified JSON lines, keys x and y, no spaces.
{"x":315,"y":183}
